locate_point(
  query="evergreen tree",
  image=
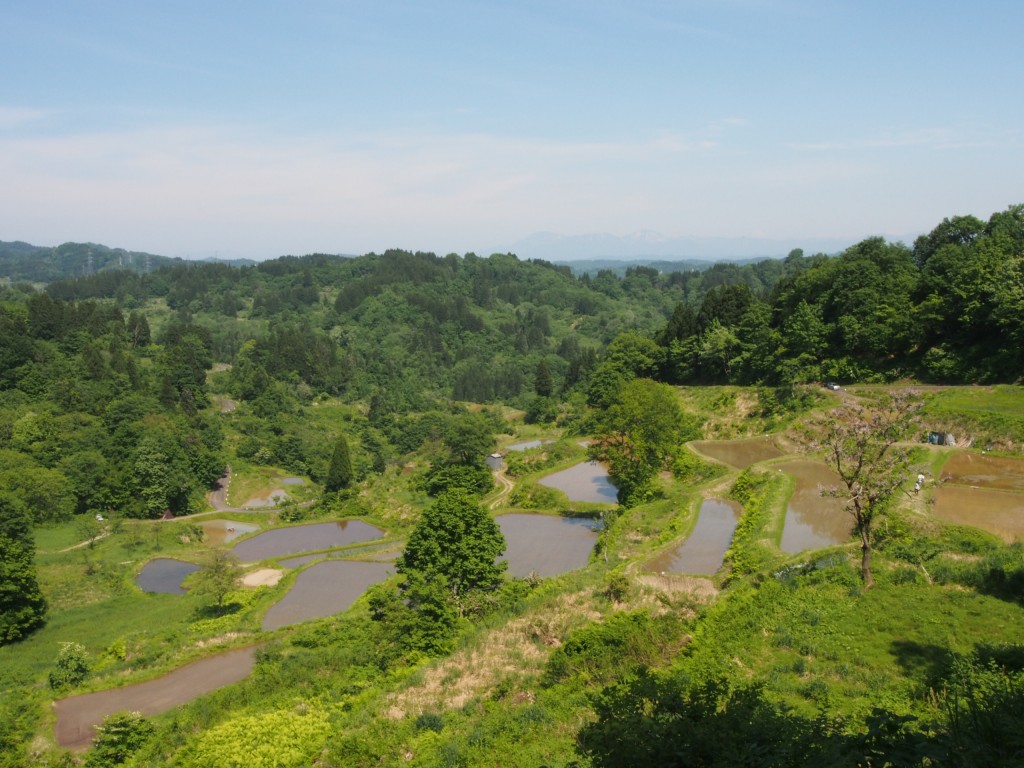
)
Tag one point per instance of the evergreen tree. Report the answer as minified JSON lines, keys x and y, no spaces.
{"x":339,"y":473}
{"x":542,"y":382}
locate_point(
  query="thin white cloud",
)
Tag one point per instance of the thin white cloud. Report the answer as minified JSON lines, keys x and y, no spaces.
{"x":17,"y":116}
{"x":191,"y":189}
{"x":174,"y":179}
{"x":930,"y":138}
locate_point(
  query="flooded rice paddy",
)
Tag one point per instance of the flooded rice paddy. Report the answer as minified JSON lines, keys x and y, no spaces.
{"x":995,"y":511}
{"x":297,"y":539}
{"x":546,"y":545}
{"x":164,"y":576}
{"x":586,"y":481}
{"x":739,"y":453}
{"x":527,"y":445}
{"x":704,"y":549}
{"x":813,"y":520}
{"x":997,"y":472}
{"x":985,"y":492}
{"x":217,"y":532}
{"x":325,"y":589}
{"x":77,"y":716}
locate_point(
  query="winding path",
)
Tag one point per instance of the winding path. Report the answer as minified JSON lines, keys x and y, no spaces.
{"x":503,"y":492}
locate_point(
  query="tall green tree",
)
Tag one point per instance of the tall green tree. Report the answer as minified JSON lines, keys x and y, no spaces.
{"x":218,"y":576}
{"x":161,"y":474}
{"x":339,"y":472}
{"x":468,"y":438}
{"x":638,"y":434}
{"x":457,"y":539}
{"x":630,"y":355}
{"x":543,"y":385}
{"x":22,"y":605}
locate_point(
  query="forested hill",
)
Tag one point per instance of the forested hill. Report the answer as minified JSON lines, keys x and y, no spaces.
{"x":104,"y":359}
{"x":949,"y":309}
{"x":39,"y":264}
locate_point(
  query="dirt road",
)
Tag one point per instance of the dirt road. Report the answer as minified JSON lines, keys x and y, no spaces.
{"x":506,"y":486}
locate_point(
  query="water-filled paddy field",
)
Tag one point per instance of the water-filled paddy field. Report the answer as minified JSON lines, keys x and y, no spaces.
{"x":325,"y":589}
{"x":995,"y":511}
{"x":813,"y":520}
{"x":164,"y":575}
{"x":218,"y":532}
{"x":983,"y":491}
{"x":586,"y":481}
{"x":704,"y":549}
{"x":296,"y":539}
{"x":525,"y":446}
{"x":546,"y":545}
{"x":985,"y":471}
{"x":739,"y":453}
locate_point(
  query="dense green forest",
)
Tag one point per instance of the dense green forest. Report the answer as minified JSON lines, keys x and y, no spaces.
{"x":383,"y":381}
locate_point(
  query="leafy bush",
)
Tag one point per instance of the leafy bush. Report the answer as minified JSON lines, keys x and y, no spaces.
{"x":72,"y":666}
{"x":663,"y":720}
{"x":118,"y":737}
{"x":429,"y":721}
{"x":984,"y":708}
{"x":279,"y":739}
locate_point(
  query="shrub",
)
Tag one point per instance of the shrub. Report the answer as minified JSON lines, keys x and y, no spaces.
{"x":72,"y":666}
{"x":280,"y":739}
{"x":687,"y":467}
{"x":118,"y":737}
{"x":624,"y":642}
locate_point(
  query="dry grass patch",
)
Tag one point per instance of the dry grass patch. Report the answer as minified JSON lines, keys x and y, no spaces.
{"x":516,"y":651}
{"x":696,"y":590}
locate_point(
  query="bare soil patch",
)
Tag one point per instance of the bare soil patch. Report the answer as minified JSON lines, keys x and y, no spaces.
{"x":263,"y":577}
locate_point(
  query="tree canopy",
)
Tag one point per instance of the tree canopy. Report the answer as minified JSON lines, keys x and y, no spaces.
{"x":637,"y":435}
{"x":456,"y":539}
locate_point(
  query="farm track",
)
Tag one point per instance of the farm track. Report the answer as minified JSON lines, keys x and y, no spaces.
{"x":506,"y":486}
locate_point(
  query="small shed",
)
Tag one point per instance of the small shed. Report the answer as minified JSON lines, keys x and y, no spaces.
{"x":941,"y":438}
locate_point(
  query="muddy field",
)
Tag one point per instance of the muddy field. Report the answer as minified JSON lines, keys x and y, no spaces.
{"x":739,"y":453}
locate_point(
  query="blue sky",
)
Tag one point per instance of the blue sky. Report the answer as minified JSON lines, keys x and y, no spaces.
{"x":258,"y":129}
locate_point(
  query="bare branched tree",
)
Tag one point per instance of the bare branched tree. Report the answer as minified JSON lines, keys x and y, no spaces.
{"x":862,"y":444}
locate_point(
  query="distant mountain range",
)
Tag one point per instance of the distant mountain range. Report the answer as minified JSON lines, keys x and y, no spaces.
{"x":647,"y":245}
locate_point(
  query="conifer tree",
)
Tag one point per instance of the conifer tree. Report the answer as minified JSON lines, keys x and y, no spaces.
{"x":339,"y":473}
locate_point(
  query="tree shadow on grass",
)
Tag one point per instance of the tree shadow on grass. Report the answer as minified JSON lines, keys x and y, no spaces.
{"x":923,"y":662}
{"x":216,"y":611}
